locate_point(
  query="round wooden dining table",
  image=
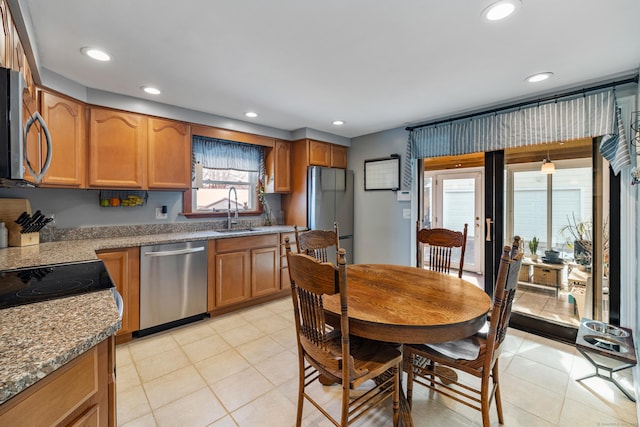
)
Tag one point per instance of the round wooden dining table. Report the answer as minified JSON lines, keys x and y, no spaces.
{"x":409,"y":305}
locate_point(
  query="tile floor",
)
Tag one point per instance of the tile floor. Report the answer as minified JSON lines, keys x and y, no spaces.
{"x":539,"y":302}
{"x":240,"y":369}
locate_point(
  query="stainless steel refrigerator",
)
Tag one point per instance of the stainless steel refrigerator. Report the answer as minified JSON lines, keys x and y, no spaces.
{"x":330,"y":199}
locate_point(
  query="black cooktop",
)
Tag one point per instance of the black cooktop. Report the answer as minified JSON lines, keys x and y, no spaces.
{"x":29,"y":285}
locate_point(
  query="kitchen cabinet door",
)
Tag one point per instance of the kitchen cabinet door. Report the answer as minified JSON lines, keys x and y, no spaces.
{"x":117,"y":149}
{"x":123,"y":266}
{"x":319,"y":153}
{"x":285,"y":281}
{"x":66,"y":120}
{"x":76,"y":394}
{"x":169,"y":155}
{"x":232,"y":277}
{"x":265,"y":271}
{"x":279,"y":168}
{"x":338,"y":156}
{"x":5,"y":35}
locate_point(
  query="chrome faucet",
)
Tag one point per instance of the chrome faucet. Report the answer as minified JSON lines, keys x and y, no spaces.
{"x":233,"y":221}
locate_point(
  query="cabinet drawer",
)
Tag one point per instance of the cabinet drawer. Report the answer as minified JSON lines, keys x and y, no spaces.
{"x":545,"y":276}
{"x":525,"y":274}
{"x":55,"y":397}
{"x":250,"y":242}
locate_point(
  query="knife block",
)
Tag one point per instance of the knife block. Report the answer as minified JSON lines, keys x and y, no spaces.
{"x":21,"y":239}
{"x":10,"y":210}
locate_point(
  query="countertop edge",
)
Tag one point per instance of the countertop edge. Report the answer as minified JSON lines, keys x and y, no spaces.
{"x":18,"y":373}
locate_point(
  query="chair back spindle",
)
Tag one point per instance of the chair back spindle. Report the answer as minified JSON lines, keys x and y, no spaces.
{"x":440,"y":243}
{"x":316,"y":243}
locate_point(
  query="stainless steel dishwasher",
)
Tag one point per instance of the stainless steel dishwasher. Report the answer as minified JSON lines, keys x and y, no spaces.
{"x":173,"y":284}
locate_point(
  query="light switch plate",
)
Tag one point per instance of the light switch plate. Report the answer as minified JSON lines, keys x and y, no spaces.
{"x":406,"y":213}
{"x":160,"y":215}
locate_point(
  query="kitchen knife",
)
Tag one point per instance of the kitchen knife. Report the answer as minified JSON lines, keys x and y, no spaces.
{"x":29,"y":226}
{"x":24,"y":216}
{"x":41,"y":223}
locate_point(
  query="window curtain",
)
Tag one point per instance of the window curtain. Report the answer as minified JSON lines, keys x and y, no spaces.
{"x":223,"y":154}
{"x":587,"y":116}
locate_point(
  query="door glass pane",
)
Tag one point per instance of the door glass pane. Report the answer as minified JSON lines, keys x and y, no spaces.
{"x":458,"y":202}
{"x":427,"y":221}
{"x":571,"y":214}
{"x":553,"y":287}
{"x":530,"y":208}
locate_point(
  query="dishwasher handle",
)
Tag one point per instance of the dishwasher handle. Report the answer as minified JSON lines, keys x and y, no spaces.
{"x":176,"y":252}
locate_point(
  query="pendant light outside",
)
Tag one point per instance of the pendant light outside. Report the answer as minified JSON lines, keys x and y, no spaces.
{"x":547,"y":166}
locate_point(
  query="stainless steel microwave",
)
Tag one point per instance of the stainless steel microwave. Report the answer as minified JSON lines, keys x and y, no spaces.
{"x":13,"y":163}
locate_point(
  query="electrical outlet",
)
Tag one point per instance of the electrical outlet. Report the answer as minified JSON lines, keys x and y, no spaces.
{"x":406,"y":213}
{"x":160,"y":215}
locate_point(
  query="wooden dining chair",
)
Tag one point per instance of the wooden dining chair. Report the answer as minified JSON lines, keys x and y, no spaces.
{"x":477,"y":355}
{"x":330,"y":354}
{"x":440,"y":243}
{"x":316,"y":243}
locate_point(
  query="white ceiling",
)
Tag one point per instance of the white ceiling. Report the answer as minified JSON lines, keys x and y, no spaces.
{"x":298,"y":63}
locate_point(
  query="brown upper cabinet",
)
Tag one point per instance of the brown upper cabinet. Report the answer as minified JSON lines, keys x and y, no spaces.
{"x":169,"y":154}
{"x":117,"y":149}
{"x":319,"y":153}
{"x":278,"y":165}
{"x":325,"y":154}
{"x":338,"y":156}
{"x":128,"y":150}
{"x":66,"y":121}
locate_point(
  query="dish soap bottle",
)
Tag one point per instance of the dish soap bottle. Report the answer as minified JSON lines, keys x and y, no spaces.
{"x":3,"y":235}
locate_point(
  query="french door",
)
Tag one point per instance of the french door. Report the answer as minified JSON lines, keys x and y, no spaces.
{"x":453,"y":199}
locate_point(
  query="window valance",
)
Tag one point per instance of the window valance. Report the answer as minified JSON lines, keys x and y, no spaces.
{"x":222,"y":154}
{"x":589,"y":115}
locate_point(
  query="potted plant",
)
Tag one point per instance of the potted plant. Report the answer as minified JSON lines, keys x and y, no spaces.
{"x":262,"y":196}
{"x":579,"y":237}
{"x":533,"y":248}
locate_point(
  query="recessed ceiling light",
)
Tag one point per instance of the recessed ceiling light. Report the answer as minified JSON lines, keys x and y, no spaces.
{"x":251,"y":114}
{"x":97,"y":54}
{"x":500,"y":10}
{"x":538,"y":77}
{"x":338,"y":122}
{"x":151,"y":90}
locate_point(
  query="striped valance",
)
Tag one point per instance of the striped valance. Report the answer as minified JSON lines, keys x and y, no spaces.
{"x":587,"y":116}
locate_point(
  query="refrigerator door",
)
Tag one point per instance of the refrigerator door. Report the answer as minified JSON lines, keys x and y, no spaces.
{"x":321,"y":198}
{"x":344,"y":202}
{"x":330,"y":199}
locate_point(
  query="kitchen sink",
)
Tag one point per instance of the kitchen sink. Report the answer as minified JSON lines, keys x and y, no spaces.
{"x":236,"y":230}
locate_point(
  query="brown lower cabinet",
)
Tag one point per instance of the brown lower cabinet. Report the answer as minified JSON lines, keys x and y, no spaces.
{"x":80,"y":393}
{"x":243,"y":269}
{"x":123,"y":266}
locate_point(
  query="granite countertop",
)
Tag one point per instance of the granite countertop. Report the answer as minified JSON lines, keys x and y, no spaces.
{"x":82,"y":250}
{"x":36,"y":339}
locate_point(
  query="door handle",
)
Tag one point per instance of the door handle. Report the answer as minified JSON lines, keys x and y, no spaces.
{"x":176,"y":252}
{"x":38,"y":175}
{"x":489,"y":222}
